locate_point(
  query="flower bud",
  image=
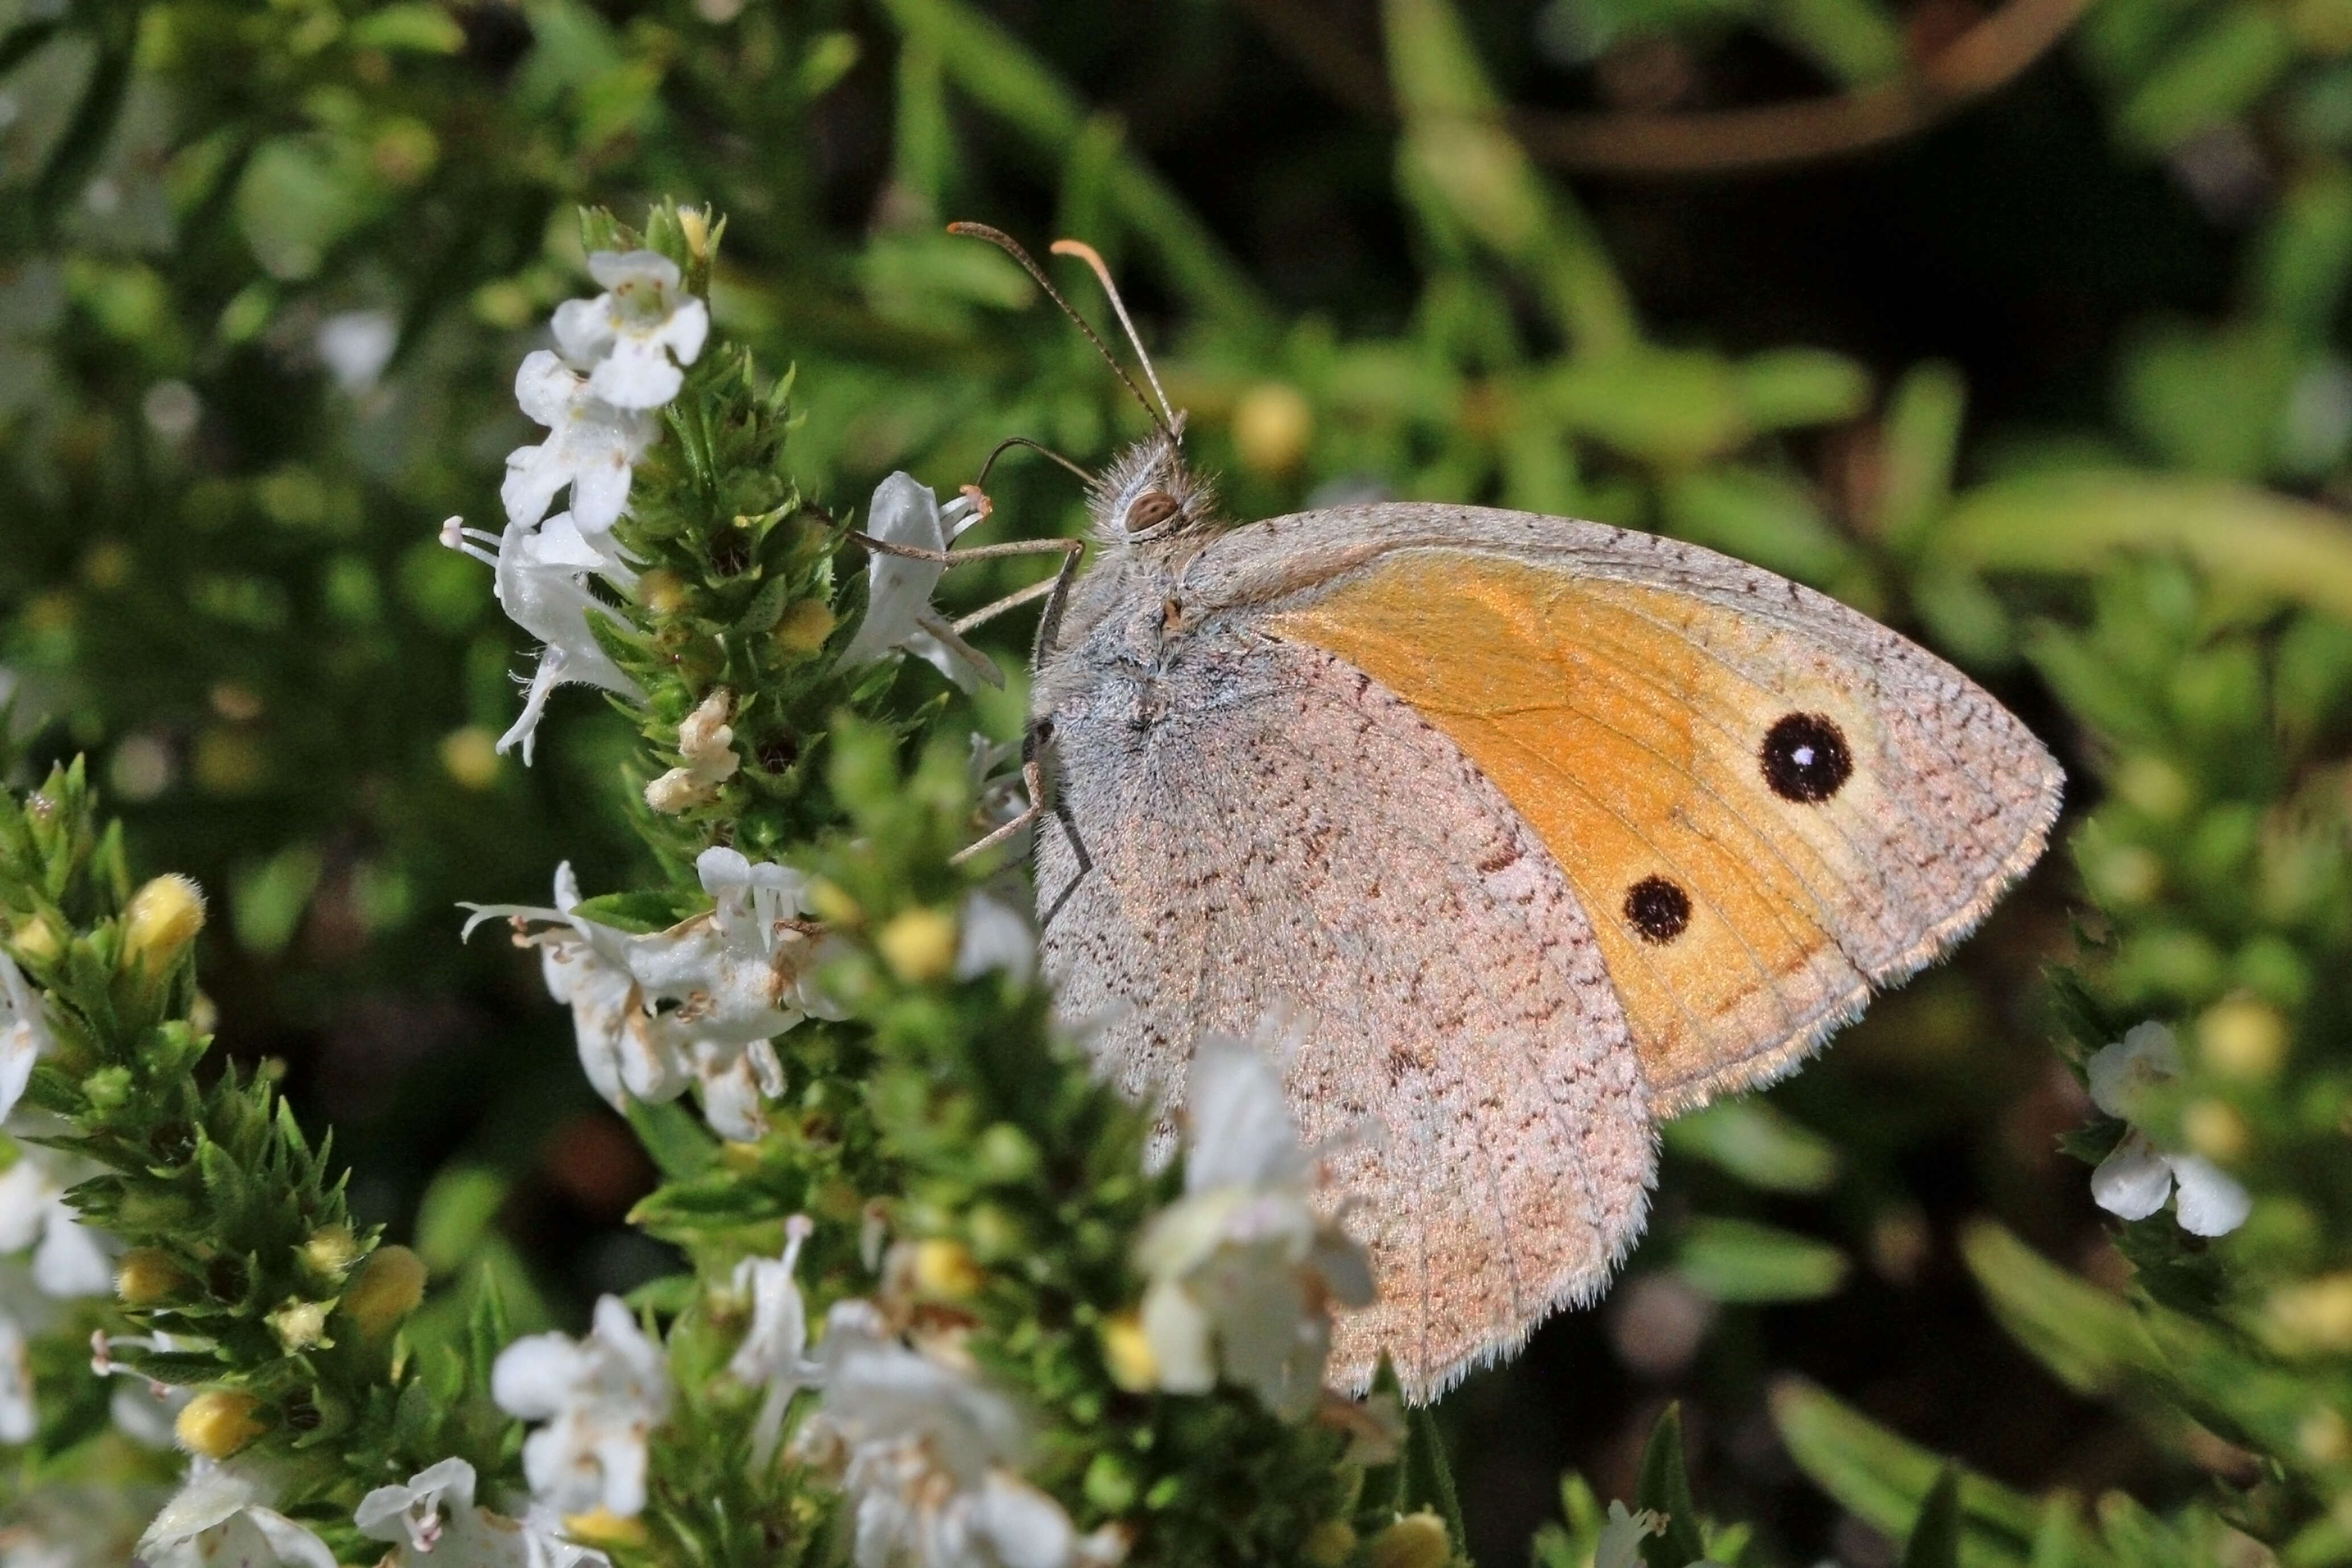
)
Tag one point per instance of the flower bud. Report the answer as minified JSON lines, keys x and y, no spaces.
{"x":2241,"y":1038}
{"x":330,"y":1253}
{"x":387,"y":1288}
{"x":162,"y":918}
{"x":37,"y":940}
{"x":2312,"y":1315}
{"x":1272,"y":424}
{"x":1329,"y":1543}
{"x":217,"y":1423}
{"x":804,"y":627}
{"x":830,"y":902}
{"x":148,"y":1278}
{"x":2214,"y":1129}
{"x":662,"y":590}
{"x":1126,"y":1353}
{"x":300,"y":1325}
{"x":600,"y":1526}
{"x":694,"y":223}
{"x":919,"y":945}
{"x":944,"y":1272}
{"x":1416,"y":1540}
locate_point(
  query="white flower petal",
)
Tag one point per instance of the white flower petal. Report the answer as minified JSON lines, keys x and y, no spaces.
{"x":2211,"y":1203}
{"x":2133,"y":1182}
{"x":2121,"y":1072}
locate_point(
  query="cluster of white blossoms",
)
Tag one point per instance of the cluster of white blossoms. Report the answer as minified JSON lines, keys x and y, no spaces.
{"x":2136,"y":1180}
{"x":697,"y":1004}
{"x":47,"y":1254}
{"x":223,"y":1515}
{"x":1243,"y":1270}
{"x":598,"y":1401}
{"x":599,"y":392}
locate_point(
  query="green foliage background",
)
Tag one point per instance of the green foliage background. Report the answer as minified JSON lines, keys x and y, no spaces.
{"x":2057,"y":384}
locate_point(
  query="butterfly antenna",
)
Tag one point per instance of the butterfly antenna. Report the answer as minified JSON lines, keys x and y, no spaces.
{"x":1087,"y":254}
{"x":1012,"y":441}
{"x":1011,"y":248}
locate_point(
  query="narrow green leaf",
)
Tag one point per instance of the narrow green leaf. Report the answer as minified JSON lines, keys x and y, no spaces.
{"x":1936,"y":1536}
{"x":1753,"y":1141}
{"x":681,"y":1146}
{"x":1739,"y":1260}
{"x":1664,"y":1488}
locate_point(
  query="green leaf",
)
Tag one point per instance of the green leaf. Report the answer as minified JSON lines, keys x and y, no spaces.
{"x":424,"y":29}
{"x":1922,"y":439}
{"x":456,"y":1212}
{"x":1883,"y":1480}
{"x":640,"y":912}
{"x":1740,"y":1260}
{"x":2072,"y":522}
{"x":1664,"y":1488}
{"x":1935,"y":1538}
{"x":1753,"y":1141}
{"x":681,"y":1146}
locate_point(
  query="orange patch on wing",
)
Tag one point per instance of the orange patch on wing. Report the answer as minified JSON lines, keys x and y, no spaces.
{"x":1624,"y":723}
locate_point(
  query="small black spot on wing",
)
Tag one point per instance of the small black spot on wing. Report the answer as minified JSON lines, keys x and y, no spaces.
{"x":1659,"y":910}
{"x":1805,"y":758}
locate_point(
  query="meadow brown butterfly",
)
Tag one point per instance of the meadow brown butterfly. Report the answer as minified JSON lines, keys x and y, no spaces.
{"x":1548,"y":830}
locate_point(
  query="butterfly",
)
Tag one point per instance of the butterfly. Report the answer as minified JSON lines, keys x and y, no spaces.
{"x":1546,"y":830}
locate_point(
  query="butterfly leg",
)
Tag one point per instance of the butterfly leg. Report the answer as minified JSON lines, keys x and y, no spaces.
{"x":1033,"y":779}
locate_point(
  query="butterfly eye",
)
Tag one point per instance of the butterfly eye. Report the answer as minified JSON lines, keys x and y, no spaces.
{"x":1806,"y":759}
{"x":1151,"y":509}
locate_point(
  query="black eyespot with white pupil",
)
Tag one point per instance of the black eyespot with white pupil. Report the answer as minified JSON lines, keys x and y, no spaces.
{"x":1659,"y":910}
{"x":1149,"y":510}
{"x":1806,"y":759}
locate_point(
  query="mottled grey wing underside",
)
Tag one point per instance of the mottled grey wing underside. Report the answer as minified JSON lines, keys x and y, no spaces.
{"x":1278,"y":833}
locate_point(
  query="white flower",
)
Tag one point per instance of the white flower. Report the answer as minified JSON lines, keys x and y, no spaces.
{"x":898,"y":611}
{"x":591,"y":446}
{"x":925,"y":1454}
{"x":1242,"y":1269}
{"x":599,"y":1397}
{"x":70,"y":1259}
{"x":995,"y":934}
{"x":19,"y":1419}
{"x":2134,"y":1181}
{"x":739,"y":976}
{"x":625,"y":337}
{"x":774,"y":1351}
{"x":221,"y":1519}
{"x":25,"y":1034}
{"x":355,"y":346}
{"x":434,"y":1516}
{"x":542,"y":585}
{"x":1620,"y":1539}
{"x":708,"y":746}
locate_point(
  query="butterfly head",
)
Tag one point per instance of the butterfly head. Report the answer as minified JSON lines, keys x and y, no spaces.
{"x":1150,"y":492}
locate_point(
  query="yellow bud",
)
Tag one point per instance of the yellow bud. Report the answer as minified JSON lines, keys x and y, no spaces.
{"x":918,"y":945}
{"x":218,"y":1423}
{"x":1272,"y":424}
{"x":1126,"y":1352}
{"x":2324,"y":1437}
{"x":387,"y":1288}
{"x":148,"y":1278}
{"x":695,"y":224}
{"x":829,"y":903}
{"x":469,"y":754}
{"x":300,"y":1325}
{"x":944,"y":1270}
{"x":2156,"y":787}
{"x":1329,"y":1543}
{"x":37,"y":940}
{"x":1416,"y":1540}
{"x":600,"y":1526}
{"x":2314,"y":1315}
{"x":663,"y":592}
{"x":804,"y":627}
{"x":2241,"y":1038}
{"x":2214,"y":1129}
{"x":162,"y":918}
{"x":330,"y":1253}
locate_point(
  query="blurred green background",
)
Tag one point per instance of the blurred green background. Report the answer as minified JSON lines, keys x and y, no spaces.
{"x":1999,"y":323}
